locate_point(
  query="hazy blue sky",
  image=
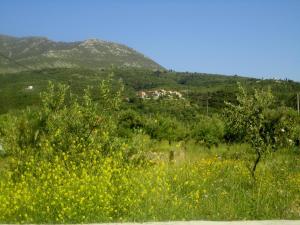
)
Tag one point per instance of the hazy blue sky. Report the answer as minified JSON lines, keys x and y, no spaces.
{"x":260,"y":38}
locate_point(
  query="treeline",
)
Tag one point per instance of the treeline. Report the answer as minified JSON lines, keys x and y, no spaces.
{"x":200,"y":89}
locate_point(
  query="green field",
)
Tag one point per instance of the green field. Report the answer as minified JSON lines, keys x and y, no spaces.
{"x":211,"y":185}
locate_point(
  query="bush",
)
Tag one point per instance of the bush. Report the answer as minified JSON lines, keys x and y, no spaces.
{"x":64,"y":124}
{"x":208,"y":130}
{"x":129,"y":121}
{"x":165,"y":128}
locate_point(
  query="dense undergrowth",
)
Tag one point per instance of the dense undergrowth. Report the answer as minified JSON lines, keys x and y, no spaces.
{"x":75,"y":160}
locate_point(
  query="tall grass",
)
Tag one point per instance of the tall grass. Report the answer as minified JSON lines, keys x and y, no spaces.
{"x":211,"y":186}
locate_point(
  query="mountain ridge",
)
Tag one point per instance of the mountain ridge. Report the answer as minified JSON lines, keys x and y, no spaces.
{"x":40,"y":52}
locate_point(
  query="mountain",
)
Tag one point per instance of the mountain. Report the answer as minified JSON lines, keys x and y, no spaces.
{"x":31,"y":53}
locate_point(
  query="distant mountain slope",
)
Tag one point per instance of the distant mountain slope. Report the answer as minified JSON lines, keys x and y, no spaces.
{"x":40,"y":52}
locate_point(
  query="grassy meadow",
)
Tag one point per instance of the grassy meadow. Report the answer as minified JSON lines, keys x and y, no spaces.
{"x":204,"y":184}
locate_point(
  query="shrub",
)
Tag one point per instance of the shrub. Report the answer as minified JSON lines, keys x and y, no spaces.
{"x":165,"y":128}
{"x":208,"y":130}
{"x":64,"y":124}
{"x":128,"y":122}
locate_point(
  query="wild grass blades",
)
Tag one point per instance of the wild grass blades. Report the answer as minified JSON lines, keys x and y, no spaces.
{"x":108,"y":190}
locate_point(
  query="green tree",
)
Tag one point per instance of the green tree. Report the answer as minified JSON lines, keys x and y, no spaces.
{"x":254,"y":120}
{"x":208,"y":130}
{"x":65,"y":123}
{"x":129,"y":121}
{"x":163,"y":127}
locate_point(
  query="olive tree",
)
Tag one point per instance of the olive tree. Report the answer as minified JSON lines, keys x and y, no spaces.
{"x":65,"y":123}
{"x":254,"y":120}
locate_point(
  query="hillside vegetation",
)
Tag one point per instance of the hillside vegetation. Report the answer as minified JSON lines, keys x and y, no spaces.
{"x":39,"y":52}
{"x":198,"y":89}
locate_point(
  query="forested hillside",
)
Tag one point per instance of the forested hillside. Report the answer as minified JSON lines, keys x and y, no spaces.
{"x":201,"y":90}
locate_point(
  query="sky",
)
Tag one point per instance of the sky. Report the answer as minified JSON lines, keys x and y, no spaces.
{"x":256,"y":38}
